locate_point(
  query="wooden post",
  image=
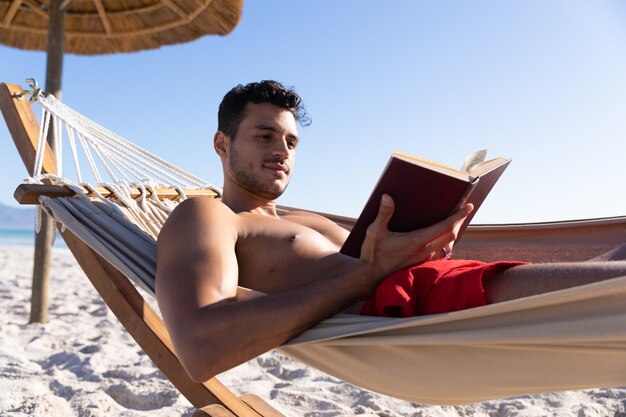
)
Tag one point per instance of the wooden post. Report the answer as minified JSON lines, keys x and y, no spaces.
{"x":43,"y":239}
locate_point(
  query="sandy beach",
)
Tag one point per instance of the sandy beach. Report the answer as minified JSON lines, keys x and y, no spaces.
{"x":83,"y":363}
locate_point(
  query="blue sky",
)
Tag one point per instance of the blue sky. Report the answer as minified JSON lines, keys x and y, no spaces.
{"x":541,"y":82}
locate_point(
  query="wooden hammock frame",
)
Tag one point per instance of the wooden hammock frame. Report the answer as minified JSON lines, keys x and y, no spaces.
{"x":536,"y":242}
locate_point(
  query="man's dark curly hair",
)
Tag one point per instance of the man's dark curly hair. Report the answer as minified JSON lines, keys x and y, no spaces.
{"x":233,"y":105}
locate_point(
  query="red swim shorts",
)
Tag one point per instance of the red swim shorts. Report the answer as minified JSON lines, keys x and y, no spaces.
{"x":433,"y":287}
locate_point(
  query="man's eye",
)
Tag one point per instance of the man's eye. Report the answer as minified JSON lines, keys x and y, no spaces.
{"x":265,"y":137}
{"x":292,"y":144}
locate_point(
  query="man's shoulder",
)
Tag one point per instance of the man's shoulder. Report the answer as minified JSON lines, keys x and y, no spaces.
{"x":200,"y":208}
{"x":197,"y":215}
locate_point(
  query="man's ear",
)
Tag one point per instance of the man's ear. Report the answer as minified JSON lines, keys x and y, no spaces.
{"x":221,"y":143}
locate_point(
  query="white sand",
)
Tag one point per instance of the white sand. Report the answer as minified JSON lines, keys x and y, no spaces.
{"x":82,"y":363}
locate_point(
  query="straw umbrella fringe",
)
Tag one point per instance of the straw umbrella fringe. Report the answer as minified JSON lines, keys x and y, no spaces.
{"x":111,"y":26}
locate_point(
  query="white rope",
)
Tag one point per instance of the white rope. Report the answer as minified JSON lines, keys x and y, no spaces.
{"x":142,"y":198}
{"x":155,"y":199}
{"x":41,"y":144}
{"x":140,"y":169}
{"x":140,"y":213}
{"x":72,"y":140}
{"x":180,"y":191}
{"x":126,"y":165}
{"x":58,"y":180}
{"x":38,"y":219}
{"x":113,"y":151}
{"x":41,"y":207}
{"x":58,"y":146}
{"x":87,"y":151}
{"x":121,"y":190}
{"x":104,"y":161}
{"x":119,"y":167}
{"x":120,"y":158}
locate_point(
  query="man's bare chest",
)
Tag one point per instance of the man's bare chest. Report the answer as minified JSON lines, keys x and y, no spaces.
{"x":274,"y":254}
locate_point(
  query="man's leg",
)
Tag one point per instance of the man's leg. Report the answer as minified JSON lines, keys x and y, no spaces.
{"x":526,"y":280}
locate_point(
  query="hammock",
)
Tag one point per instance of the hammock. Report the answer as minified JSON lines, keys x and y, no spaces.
{"x":569,"y":339}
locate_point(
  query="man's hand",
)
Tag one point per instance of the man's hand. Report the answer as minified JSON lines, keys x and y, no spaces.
{"x":388,"y":252}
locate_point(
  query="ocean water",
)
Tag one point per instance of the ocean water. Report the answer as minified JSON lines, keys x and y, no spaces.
{"x":25,"y":237}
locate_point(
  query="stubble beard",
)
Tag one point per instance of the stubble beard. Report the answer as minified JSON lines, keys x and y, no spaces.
{"x":249,"y":182}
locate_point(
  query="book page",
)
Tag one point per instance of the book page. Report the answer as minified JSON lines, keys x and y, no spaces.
{"x":474,"y":159}
{"x":481,"y":168}
{"x":432,"y":165}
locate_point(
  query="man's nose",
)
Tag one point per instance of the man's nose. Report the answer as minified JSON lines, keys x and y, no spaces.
{"x":281,"y":149}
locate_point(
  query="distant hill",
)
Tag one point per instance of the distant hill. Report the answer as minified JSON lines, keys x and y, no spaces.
{"x":16,"y":217}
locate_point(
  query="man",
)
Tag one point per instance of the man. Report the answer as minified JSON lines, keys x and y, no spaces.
{"x":209,"y":247}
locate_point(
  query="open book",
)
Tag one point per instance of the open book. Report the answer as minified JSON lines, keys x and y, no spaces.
{"x":426,"y":192}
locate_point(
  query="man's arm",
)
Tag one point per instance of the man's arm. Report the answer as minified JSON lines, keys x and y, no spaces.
{"x":197,"y":279}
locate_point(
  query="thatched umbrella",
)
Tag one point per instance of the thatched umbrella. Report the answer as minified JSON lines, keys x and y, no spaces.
{"x":108,"y":26}
{"x":90,"y":27}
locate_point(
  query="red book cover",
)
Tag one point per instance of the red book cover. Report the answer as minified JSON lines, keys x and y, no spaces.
{"x":423,"y":194}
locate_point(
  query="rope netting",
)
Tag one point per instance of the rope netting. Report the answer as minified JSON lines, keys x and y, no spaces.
{"x":110,"y":158}
{"x":112,"y":162}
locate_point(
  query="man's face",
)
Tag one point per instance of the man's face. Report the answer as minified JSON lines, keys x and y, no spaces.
{"x":263,"y":152}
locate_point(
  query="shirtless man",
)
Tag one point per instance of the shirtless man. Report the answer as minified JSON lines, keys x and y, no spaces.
{"x":209,"y":247}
